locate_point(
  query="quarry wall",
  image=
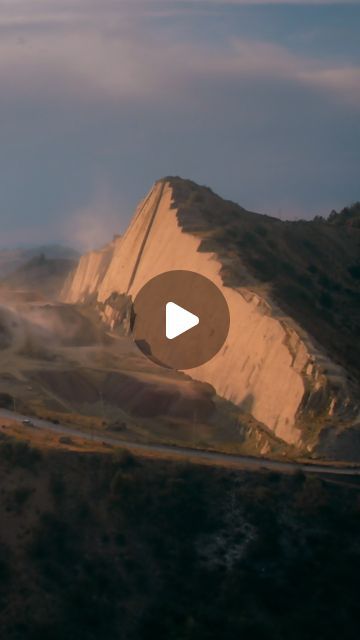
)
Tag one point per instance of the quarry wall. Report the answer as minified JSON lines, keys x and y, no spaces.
{"x":89,"y":274}
{"x":264,"y":366}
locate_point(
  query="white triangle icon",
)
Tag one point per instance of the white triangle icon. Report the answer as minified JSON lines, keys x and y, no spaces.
{"x":178,"y":320}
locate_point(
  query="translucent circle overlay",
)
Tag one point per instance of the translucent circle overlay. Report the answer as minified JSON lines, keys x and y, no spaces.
{"x":198,"y":295}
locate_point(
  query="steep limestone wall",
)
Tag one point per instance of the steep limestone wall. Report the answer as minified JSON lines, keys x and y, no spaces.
{"x":264,"y":365}
{"x":128,"y":253}
{"x":256,"y":366}
{"x":88,"y":275}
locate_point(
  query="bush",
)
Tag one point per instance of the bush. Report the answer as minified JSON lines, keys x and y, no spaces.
{"x":5,"y":567}
{"x":196,"y":197}
{"x":117,"y":484}
{"x":125,"y":459}
{"x":54,"y":543}
{"x":312,"y":495}
{"x":326,"y":300}
{"x":6,"y":401}
{"x":19,"y":453}
{"x":57,"y":486}
{"x":354,"y":271}
{"x":261,"y":230}
{"x":21,"y":495}
{"x":312,"y":268}
{"x":249,"y":239}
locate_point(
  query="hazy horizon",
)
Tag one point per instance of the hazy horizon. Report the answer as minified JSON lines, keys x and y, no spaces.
{"x":259,"y":101}
{"x":82,"y":246}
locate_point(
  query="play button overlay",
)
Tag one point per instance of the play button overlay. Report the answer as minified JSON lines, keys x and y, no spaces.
{"x":180,"y":319}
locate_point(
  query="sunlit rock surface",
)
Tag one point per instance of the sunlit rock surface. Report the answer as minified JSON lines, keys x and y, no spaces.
{"x":268,"y":365}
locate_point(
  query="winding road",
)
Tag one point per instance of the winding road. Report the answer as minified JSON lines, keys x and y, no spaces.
{"x":184,"y":453}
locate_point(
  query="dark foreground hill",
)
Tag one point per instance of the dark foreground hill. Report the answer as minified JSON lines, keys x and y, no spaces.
{"x":108,"y":546}
{"x":349,"y":216}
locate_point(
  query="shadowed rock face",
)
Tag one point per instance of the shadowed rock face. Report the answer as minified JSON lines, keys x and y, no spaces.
{"x":268,"y":365}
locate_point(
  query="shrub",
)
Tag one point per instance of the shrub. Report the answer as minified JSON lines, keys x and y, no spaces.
{"x":312,"y":268}
{"x":125,"y":459}
{"x":5,"y":572}
{"x":326,"y":300}
{"x":57,"y":486}
{"x":196,"y":197}
{"x":116,"y":484}
{"x":354,"y":271}
{"x":19,"y":453}
{"x":261,"y":230}
{"x":312,"y":495}
{"x":6,"y":401}
{"x":21,"y":495}
{"x":249,"y":239}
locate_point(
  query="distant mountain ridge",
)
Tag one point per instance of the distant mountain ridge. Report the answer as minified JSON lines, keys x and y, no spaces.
{"x":13,"y":258}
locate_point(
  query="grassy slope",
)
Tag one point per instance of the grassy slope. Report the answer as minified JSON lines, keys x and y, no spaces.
{"x":98,"y":547}
{"x":311,"y":268}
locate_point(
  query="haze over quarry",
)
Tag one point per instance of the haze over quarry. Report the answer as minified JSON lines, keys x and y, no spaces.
{"x":99,"y":99}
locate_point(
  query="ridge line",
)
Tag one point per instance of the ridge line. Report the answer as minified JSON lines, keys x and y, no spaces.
{"x":147,"y":233}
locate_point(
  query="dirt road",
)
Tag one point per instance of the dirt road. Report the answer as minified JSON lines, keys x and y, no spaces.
{"x":183,"y":453}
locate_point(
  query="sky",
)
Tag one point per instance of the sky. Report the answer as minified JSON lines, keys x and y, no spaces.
{"x":100,"y":98}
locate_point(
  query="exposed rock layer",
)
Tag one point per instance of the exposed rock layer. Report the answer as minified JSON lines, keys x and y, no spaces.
{"x":268,"y":366}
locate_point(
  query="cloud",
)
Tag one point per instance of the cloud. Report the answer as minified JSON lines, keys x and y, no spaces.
{"x":98,"y":100}
{"x":94,"y":224}
{"x":113,"y":56}
{"x":89,"y":55}
{"x":342,"y":81}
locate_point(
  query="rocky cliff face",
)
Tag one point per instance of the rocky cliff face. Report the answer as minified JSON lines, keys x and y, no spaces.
{"x":269,"y":366}
{"x":85,"y":281}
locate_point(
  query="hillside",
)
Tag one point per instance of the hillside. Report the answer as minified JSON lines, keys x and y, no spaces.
{"x":349,"y":216}
{"x":291,"y":358}
{"x":310,"y":268}
{"x":60,"y":362}
{"x":12,"y":259}
{"x":45,"y":276}
{"x":102,"y":546}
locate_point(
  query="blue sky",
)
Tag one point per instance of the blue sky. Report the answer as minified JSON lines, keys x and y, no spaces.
{"x":101,"y":98}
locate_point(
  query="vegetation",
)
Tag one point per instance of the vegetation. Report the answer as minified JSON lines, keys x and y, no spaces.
{"x":6,"y":400}
{"x":18,"y":454}
{"x":349,"y":216}
{"x":311,"y":268}
{"x":132,"y":549}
